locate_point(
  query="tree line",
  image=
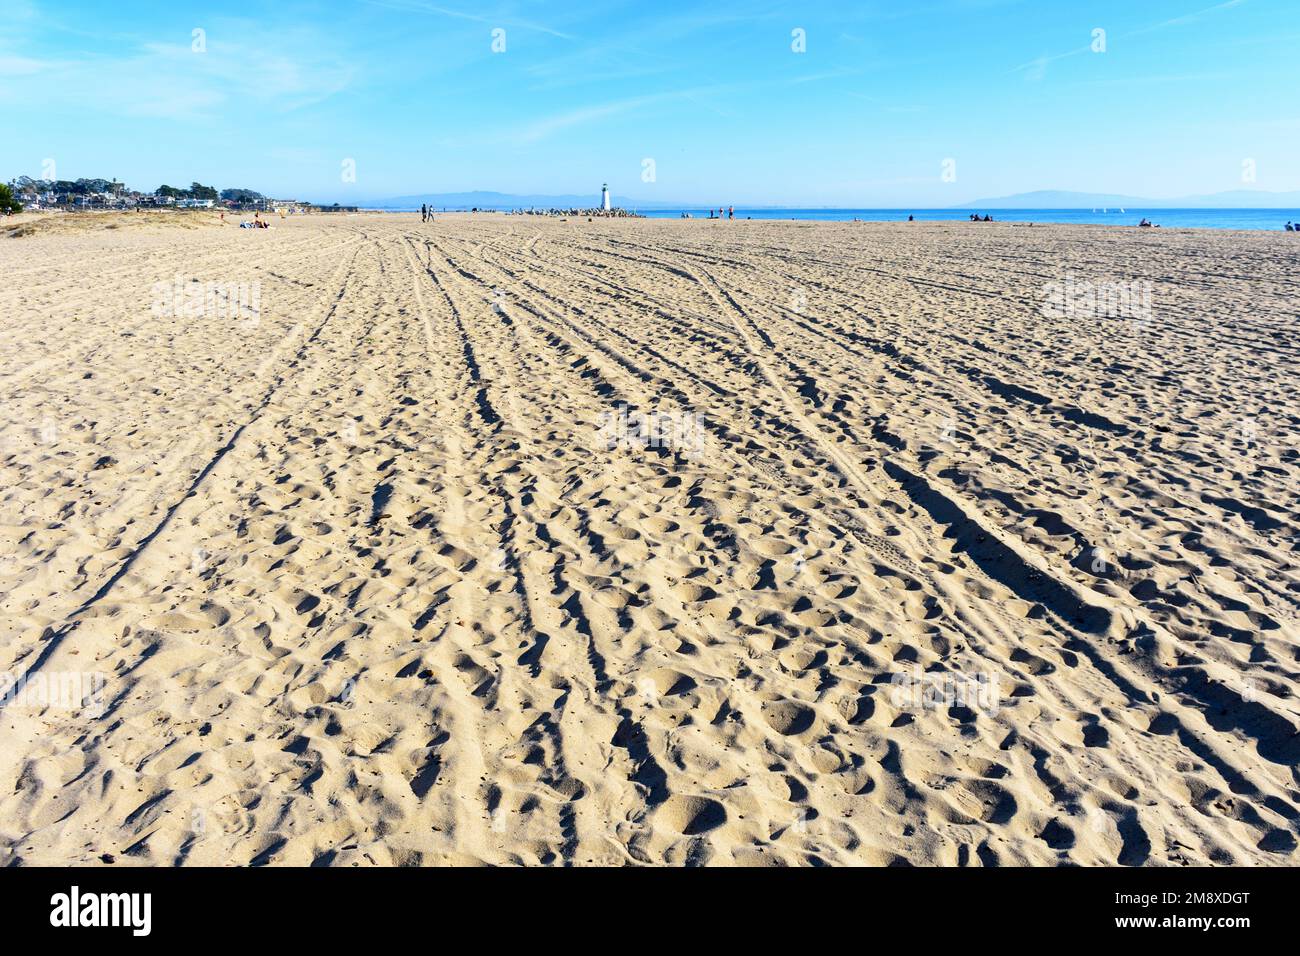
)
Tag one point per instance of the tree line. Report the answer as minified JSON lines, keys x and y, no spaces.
{"x":87,"y":187}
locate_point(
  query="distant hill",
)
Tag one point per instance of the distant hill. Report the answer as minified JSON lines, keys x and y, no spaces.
{"x":486,"y":199}
{"x":1064,"y":199}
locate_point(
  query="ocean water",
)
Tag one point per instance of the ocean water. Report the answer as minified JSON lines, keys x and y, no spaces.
{"x":1273,"y":219}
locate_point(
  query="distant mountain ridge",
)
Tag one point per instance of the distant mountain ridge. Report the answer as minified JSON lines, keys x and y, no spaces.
{"x":1064,"y":199}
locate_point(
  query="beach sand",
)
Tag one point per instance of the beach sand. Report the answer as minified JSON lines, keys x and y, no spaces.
{"x":513,"y":540}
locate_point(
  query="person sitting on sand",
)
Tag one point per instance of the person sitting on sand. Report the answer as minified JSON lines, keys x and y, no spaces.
{"x":1289,"y":227}
{"x":1145,"y":223}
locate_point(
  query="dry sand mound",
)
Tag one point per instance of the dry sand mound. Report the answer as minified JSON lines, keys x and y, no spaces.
{"x":30,"y":224}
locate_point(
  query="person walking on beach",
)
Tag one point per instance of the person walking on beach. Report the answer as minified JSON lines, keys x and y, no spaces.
{"x":731,"y":212}
{"x":424,"y":213}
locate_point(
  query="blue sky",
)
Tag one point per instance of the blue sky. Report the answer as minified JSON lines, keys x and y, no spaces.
{"x":412,"y":92}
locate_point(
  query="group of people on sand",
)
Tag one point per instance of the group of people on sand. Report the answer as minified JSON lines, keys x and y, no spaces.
{"x":976,"y":217}
{"x":426,"y":213}
{"x":728,"y":213}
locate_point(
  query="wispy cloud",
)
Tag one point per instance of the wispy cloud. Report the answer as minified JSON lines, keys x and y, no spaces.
{"x":1036,"y":68}
{"x":550,"y":125}
{"x":1186,"y":18}
{"x":536,"y":130}
{"x":540,"y":129}
{"x":824,"y":75}
{"x":172,"y":81}
{"x":23,"y":66}
{"x":504,"y":20}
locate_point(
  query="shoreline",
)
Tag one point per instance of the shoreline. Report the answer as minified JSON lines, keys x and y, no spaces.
{"x":20,"y":224}
{"x":1002,"y":216}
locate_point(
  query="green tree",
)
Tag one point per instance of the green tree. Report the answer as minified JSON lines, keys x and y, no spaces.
{"x":7,"y":201}
{"x":241,"y":195}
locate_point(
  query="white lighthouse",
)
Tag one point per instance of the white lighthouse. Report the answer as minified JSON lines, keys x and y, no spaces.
{"x":604,"y":197}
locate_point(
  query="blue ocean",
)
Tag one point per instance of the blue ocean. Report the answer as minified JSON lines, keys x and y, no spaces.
{"x":1273,"y":219}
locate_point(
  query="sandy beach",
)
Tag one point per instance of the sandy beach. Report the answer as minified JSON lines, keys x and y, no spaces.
{"x":513,"y":540}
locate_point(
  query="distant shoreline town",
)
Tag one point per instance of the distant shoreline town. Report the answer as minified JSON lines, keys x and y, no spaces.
{"x":109,"y":194}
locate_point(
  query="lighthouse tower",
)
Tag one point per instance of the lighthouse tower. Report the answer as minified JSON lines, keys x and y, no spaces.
{"x":604,"y":197}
